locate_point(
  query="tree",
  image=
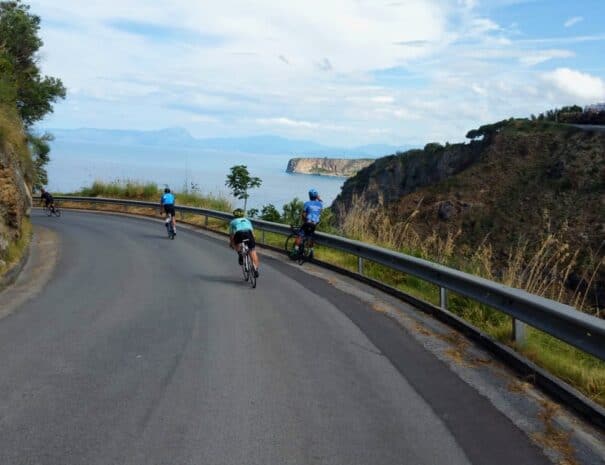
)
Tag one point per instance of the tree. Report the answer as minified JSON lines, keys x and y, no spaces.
{"x":240,"y":182}
{"x":433,"y":147}
{"x":40,"y":150}
{"x":270,"y":213}
{"x":253,"y":213}
{"x":293,"y":211}
{"x":22,"y":86}
{"x":34,"y":94}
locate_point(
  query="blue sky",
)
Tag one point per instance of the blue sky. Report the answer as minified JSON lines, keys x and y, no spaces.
{"x":341,"y":72}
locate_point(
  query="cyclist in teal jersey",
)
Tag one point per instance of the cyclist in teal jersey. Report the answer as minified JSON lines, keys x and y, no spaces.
{"x":167,"y":204}
{"x":241,"y":229}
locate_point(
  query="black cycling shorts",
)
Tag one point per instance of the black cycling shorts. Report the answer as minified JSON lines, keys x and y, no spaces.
{"x":307,"y":229}
{"x":241,"y":236}
{"x":169,"y":210}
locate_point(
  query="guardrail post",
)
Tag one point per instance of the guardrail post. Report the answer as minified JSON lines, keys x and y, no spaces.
{"x":443,"y":298}
{"x":519,"y":332}
{"x":262,"y":237}
{"x":206,"y":221}
{"x":360,"y":265}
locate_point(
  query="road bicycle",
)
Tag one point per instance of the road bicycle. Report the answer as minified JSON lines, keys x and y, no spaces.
{"x":305,"y":249}
{"x":248,"y":268}
{"x":170,"y":227}
{"x":52,"y":210}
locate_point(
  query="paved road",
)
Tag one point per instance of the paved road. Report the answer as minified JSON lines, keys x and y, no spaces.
{"x":146,"y":351}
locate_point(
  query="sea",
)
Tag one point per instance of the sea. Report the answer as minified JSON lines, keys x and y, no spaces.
{"x":75,"y":165}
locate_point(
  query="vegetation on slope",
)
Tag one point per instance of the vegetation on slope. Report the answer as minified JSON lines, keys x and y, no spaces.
{"x":516,"y":184}
{"x":26,"y":96}
{"x":149,"y":191}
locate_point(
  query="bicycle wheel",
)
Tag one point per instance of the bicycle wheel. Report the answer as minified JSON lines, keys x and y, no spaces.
{"x":252,"y":280}
{"x":246,"y":267}
{"x":57,"y":212}
{"x":304,"y":251}
{"x":48,"y":211}
{"x":289,"y":245}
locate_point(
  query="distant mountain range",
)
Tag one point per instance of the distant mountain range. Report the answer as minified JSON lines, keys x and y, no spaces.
{"x":179,"y":137}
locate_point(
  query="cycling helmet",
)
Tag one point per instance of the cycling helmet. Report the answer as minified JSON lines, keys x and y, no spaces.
{"x":167,"y":190}
{"x":313,"y":194}
{"x":238,"y":213}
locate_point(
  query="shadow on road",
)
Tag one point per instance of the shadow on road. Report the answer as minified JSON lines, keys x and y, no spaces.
{"x":232,"y":280}
{"x":160,"y":237}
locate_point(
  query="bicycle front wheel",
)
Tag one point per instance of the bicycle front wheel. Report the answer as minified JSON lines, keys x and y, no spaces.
{"x":57,"y":212}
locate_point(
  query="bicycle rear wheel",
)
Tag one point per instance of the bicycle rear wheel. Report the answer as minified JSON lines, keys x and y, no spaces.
{"x":304,"y":252}
{"x":252,"y":280}
{"x":48,"y":211}
{"x":289,"y":245}
{"x":246,"y":267}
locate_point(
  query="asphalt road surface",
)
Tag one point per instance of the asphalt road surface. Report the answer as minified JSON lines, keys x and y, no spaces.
{"x":146,"y":351}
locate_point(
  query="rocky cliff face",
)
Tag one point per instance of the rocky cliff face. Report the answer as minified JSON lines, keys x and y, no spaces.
{"x":15,"y":193}
{"x":327,"y":166}
{"x":389,"y":178}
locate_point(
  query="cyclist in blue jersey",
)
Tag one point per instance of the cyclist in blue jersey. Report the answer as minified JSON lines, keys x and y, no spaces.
{"x":167,"y":204}
{"x":311,"y":215}
{"x":240,"y":229}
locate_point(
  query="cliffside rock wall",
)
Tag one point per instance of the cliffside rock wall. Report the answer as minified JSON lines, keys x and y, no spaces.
{"x":327,"y":166}
{"x":389,"y":178}
{"x":15,"y":197}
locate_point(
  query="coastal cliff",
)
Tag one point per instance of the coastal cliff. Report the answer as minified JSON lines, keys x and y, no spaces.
{"x":342,"y":167}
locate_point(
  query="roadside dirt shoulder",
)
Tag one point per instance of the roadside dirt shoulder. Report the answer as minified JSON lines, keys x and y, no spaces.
{"x":38,"y":269}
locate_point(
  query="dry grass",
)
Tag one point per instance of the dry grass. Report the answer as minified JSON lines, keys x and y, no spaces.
{"x":13,"y":140}
{"x":17,"y":248}
{"x":553,"y":437}
{"x":541,"y":268}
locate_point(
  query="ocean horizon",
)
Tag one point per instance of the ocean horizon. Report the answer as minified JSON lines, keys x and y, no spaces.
{"x":75,"y":165}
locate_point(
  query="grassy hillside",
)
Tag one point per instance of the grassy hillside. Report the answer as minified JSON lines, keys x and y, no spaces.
{"x":525,"y":189}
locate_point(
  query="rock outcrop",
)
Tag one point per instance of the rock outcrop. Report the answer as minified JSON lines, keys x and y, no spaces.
{"x":15,"y":190}
{"x":342,"y":167}
{"x":388,"y":179}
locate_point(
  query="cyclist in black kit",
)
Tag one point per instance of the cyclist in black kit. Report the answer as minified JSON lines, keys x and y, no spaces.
{"x":45,"y":196}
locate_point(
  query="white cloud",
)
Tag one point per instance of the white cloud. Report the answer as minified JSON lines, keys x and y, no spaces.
{"x":540,"y":56}
{"x":583,"y":86}
{"x":287,"y":122}
{"x":479,"y":90}
{"x":572,"y":21}
{"x":333,"y":70}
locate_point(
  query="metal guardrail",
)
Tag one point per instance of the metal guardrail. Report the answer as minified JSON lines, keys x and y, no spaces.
{"x":578,"y":329}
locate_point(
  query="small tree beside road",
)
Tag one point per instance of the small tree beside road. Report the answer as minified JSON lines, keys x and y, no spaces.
{"x":240,"y":182}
